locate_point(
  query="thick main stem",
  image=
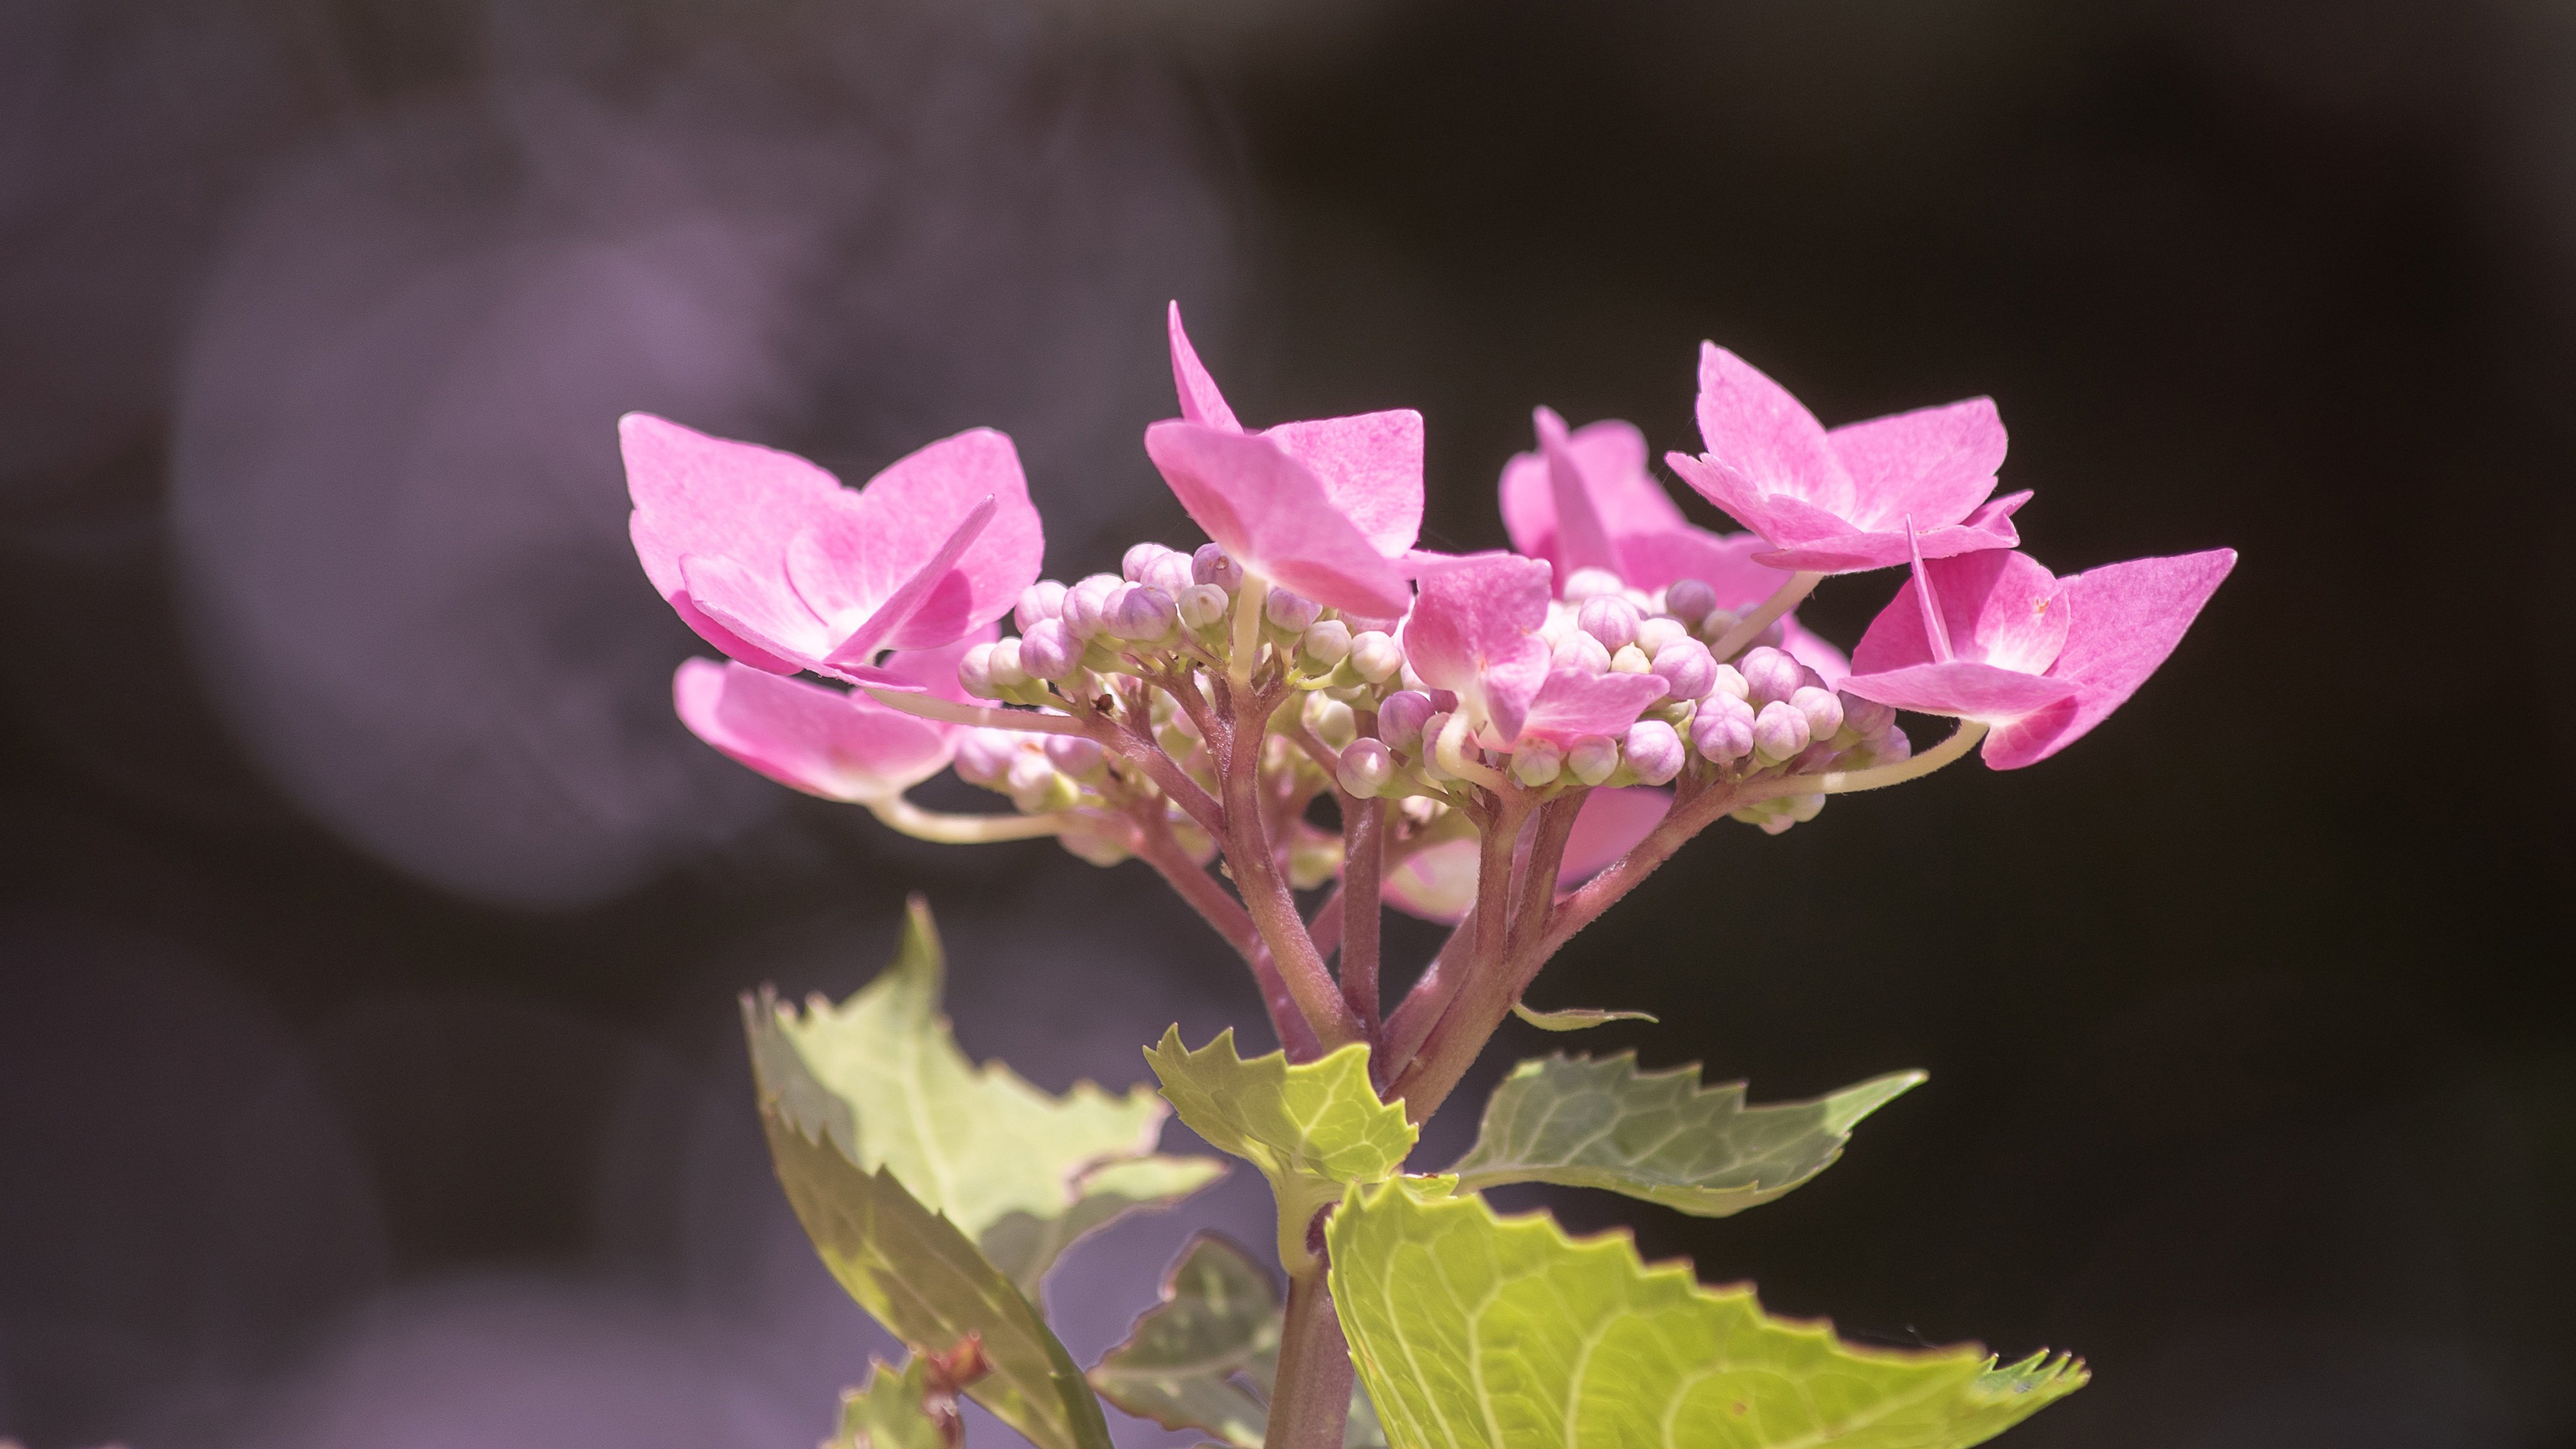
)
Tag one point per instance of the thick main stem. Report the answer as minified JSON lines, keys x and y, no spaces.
{"x":1265,"y":893}
{"x":1310,"y":1403}
{"x":1363,"y":868}
{"x":1484,"y":992}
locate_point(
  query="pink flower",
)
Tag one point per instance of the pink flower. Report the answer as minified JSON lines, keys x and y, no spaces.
{"x":774,"y":562}
{"x":1329,"y":509}
{"x":1474,"y":632}
{"x":818,"y":740}
{"x":1438,"y":882}
{"x":1838,"y":502}
{"x":1994,"y":637}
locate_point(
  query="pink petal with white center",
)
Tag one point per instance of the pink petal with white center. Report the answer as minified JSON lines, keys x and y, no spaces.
{"x":1961,"y":689}
{"x":1371,"y":469}
{"x":2000,"y":608}
{"x":1200,"y":400}
{"x":875,"y":542}
{"x":813,"y":739}
{"x":1272,"y":514}
{"x":2126,"y":620}
{"x":1933,"y":465}
{"x":1439,"y":883}
{"x":1574,"y":703}
{"x":1753,"y":427}
{"x":1474,"y":631}
{"x":706,"y":496}
{"x":938,"y":584}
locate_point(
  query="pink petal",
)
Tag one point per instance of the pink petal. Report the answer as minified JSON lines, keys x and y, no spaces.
{"x":1437,"y":882}
{"x":1852,"y":553}
{"x":1271,"y":513}
{"x":1473,"y":631}
{"x":1748,"y":504}
{"x":1610,"y":458}
{"x":1754,"y":427}
{"x":765,"y":613}
{"x":696,"y":494}
{"x":1200,"y":400}
{"x":1961,"y":688}
{"x":1574,"y":703}
{"x":1934,"y":465}
{"x":2127,"y":618}
{"x":814,"y":739}
{"x":1723,"y":561}
{"x":938,"y":586}
{"x":1371,"y":469}
{"x":934,"y":671}
{"x":1610,"y":824}
{"x":1582,"y":535}
{"x":872,"y":543}
{"x":2000,"y":608}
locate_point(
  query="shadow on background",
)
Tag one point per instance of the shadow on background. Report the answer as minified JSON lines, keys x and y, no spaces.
{"x":367,"y":1055}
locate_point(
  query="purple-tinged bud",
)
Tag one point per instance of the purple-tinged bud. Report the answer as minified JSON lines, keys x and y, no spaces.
{"x":1081,"y":758}
{"x":1866,"y":718}
{"x":1327,"y":642}
{"x":985,"y":755}
{"x":1002,"y":666}
{"x":1687,"y":668}
{"x":1769,"y":675}
{"x":1291,"y":612}
{"x":1655,"y":751}
{"x":1722,"y":736}
{"x":1171,"y":573}
{"x":1718,"y":624}
{"x":1366,"y":767}
{"x":975,"y":672}
{"x":1041,"y":600}
{"x":1141,"y":614}
{"x":1728,"y":680}
{"x":1773,"y":635}
{"x":1656,"y":633}
{"x":1610,"y":619}
{"x":1202,"y":606}
{"x":1690,"y":601}
{"x":1400,"y":719}
{"x":1779,"y":732}
{"x":1211,"y":566}
{"x":1084,"y":603}
{"x":1537,"y":762}
{"x":1585,"y":584}
{"x":1048,"y":652}
{"x":1140,"y":558}
{"x":1631,"y":660}
{"x":1592,"y":759}
{"x":1431,"y":729}
{"x":1375,"y":656}
{"x":1824,"y":712}
{"x":1578,"y":650}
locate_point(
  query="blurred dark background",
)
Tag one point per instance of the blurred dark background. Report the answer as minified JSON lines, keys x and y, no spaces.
{"x":368,"y":1063}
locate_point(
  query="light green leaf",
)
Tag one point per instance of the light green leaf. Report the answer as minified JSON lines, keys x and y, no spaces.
{"x":1205,"y":1358}
{"x":888,"y":1413}
{"x":1311,"y":1128}
{"x":1475,"y":1330}
{"x":1660,"y":1136}
{"x":1021,"y":1172}
{"x":927,"y":1284}
{"x":1576,"y":1018}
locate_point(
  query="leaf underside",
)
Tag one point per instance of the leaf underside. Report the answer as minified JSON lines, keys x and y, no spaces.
{"x":888,"y":1413}
{"x":1660,"y":1136}
{"x":1475,"y":1330}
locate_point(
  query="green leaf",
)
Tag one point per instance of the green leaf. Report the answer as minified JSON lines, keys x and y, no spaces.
{"x":888,"y":1413}
{"x":1206,"y":1357}
{"x":1576,"y":1018}
{"x":1311,"y":1128}
{"x":1019,"y":1171}
{"x":1471,"y":1329}
{"x":1660,"y":1136}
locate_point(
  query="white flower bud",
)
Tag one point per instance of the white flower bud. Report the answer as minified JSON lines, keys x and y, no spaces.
{"x":1002,"y":666}
{"x":1770,"y":675}
{"x":1689,"y":601}
{"x":1727,"y":680}
{"x":1078,"y":757}
{"x":1138,"y":559}
{"x":1593,"y":759}
{"x":1366,"y":767}
{"x":1171,"y":573}
{"x":984,"y":755}
{"x":1537,"y":762}
{"x":1291,"y":612}
{"x":1330,"y":719}
{"x":1140,"y":614}
{"x":1631,"y":660}
{"x":1048,"y":652}
{"x":1211,"y":566}
{"x":1430,"y":745}
{"x":1375,"y":656}
{"x":1580,"y":651}
{"x":1610,"y":619}
{"x":1655,"y":751}
{"x":1327,"y":642}
{"x":975,"y":672}
{"x":1033,"y":783}
{"x":1687,"y":668}
{"x":1824,"y":712}
{"x":1656,"y":633}
{"x":1041,"y":600}
{"x":1585,"y":584}
{"x":1718,"y":624}
{"x":1400,"y":719}
{"x":1202,"y":606}
{"x":1779,"y":732}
